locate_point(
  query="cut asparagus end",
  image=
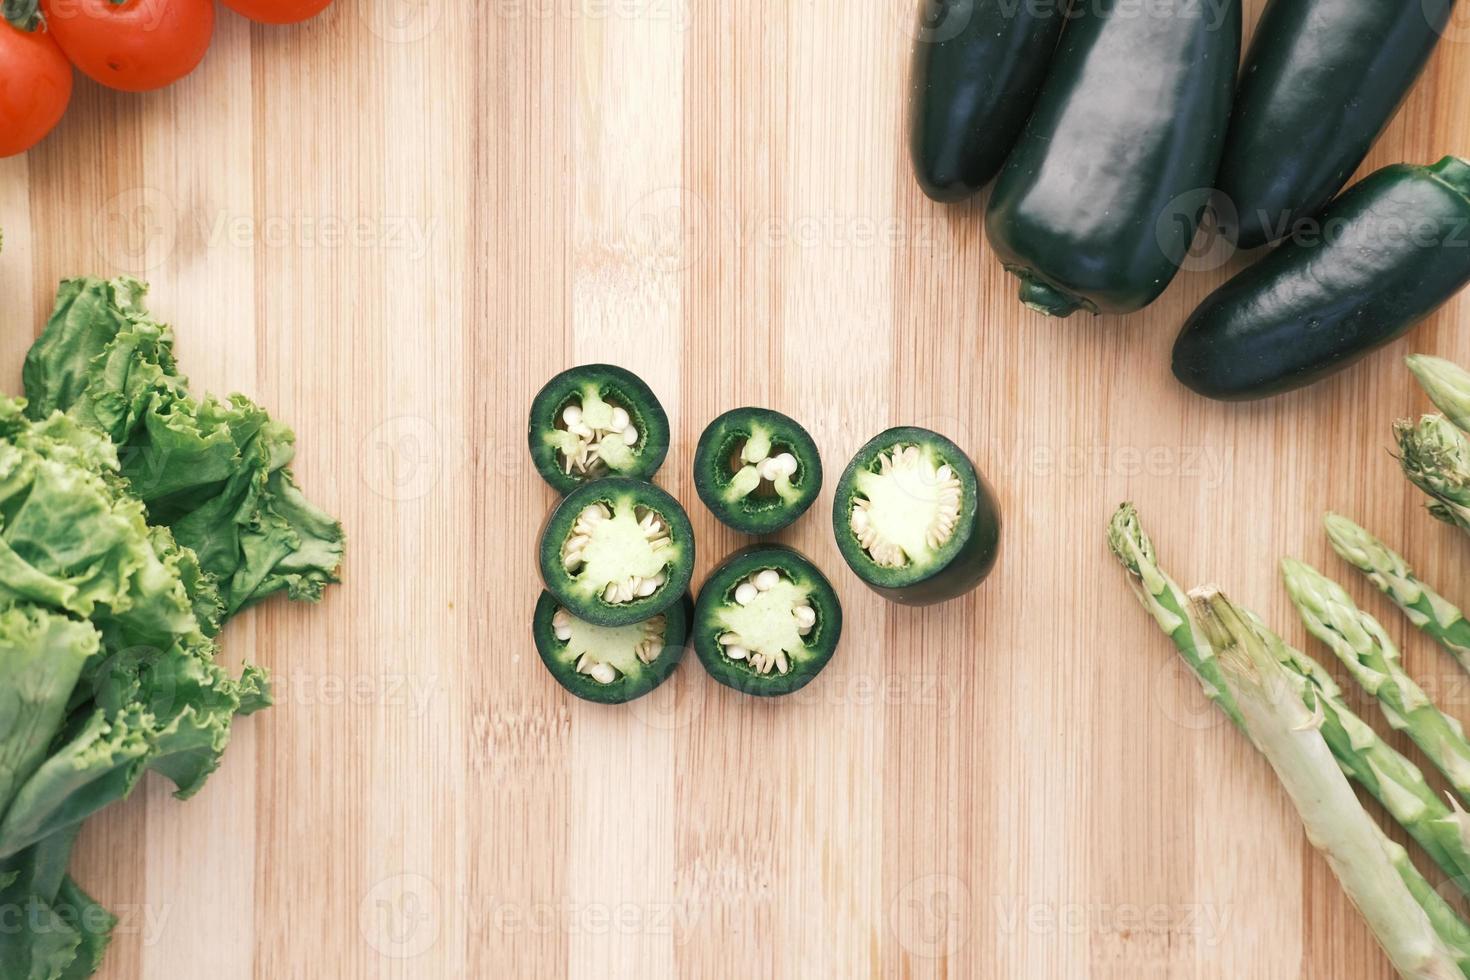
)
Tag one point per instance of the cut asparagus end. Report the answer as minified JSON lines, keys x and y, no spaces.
{"x":1447,"y":385}
{"x":908,"y":509}
{"x":1288,"y":734}
{"x":609,"y":653}
{"x":621,"y":553}
{"x":1234,"y":633}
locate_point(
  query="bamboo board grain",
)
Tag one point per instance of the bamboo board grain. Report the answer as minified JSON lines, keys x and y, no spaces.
{"x":393,"y":224}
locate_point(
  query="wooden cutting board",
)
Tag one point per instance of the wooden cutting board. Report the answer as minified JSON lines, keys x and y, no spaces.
{"x":393,"y":224}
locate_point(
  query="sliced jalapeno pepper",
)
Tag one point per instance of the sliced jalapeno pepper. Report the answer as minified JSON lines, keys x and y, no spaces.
{"x":617,"y":551}
{"x":914,"y":519}
{"x":610,"y":664}
{"x":594,"y":421}
{"x":756,"y":470}
{"x":766,"y":622}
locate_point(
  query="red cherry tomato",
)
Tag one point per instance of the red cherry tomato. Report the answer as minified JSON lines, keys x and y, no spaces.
{"x":277,"y":11}
{"x":136,"y":45}
{"x":35,"y":87}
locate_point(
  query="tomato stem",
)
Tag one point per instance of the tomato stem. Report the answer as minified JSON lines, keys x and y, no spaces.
{"x":24,"y":15}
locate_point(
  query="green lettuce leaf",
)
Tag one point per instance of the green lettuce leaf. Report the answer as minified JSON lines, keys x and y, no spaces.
{"x":170,"y":711}
{"x":51,"y":929}
{"x":41,"y":658}
{"x":97,"y":765}
{"x":191,"y":700}
{"x":134,"y":521}
{"x":87,"y":316}
{"x":92,"y":923}
{"x":215,"y":471}
{"x":73,"y":538}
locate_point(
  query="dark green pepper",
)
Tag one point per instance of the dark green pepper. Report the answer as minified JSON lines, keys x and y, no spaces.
{"x":977,"y":69}
{"x":1391,"y":250}
{"x":610,"y":664}
{"x":1098,"y":203}
{"x":914,"y":519}
{"x":1320,"y":81}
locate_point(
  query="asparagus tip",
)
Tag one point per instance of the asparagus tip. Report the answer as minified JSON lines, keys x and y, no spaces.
{"x":1358,"y":547}
{"x":1294,"y":570}
{"x":1445,"y":382}
{"x":1126,"y":538}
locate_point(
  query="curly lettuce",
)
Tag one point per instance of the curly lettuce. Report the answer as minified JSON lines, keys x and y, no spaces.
{"x":214,"y":471}
{"x":135,"y":520}
{"x":107,"y":666}
{"x":74,"y":538}
{"x":42,"y":654}
{"x":52,"y":930}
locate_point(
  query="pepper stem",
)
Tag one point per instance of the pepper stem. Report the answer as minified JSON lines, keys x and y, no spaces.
{"x":1047,"y":299}
{"x":1454,"y":171}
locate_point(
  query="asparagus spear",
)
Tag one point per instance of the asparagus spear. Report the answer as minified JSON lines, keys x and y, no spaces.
{"x":1392,"y":779}
{"x":1288,"y":734}
{"x":1443,"y":918}
{"x":1426,"y":608}
{"x":1447,"y":385}
{"x":1435,"y":456}
{"x":1443,"y":830}
{"x":1371,"y":657}
{"x":1167,"y":604}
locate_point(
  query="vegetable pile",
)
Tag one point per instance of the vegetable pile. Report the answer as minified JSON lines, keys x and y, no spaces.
{"x":128,"y":45}
{"x":912,"y":517}
{"x":1293,"y":711}
{"x":135,"y":520}
{"x":1135,"y":129}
